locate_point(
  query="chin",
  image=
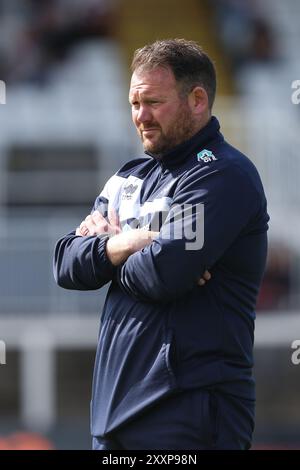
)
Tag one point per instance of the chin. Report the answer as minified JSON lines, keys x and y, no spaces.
{"x":149,"y":146}
{"x":155,"y":147}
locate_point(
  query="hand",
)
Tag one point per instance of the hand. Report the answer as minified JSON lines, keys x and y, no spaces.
{"x":120,"y":247}
{"x":96,"y":224}
{"x":206,"y":276}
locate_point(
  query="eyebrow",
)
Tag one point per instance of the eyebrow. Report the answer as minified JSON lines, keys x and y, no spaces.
{"x":146,"y":97}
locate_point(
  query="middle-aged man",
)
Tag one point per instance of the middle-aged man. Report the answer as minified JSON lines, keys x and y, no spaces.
{"x":174,"y":361}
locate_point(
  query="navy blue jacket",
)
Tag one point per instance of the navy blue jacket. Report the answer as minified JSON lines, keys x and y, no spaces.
{"x":160,"y":331}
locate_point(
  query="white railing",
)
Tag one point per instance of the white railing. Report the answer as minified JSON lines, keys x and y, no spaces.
{"x":38,"y":338}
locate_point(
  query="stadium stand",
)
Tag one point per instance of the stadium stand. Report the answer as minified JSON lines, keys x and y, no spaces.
{"x":66,"y":128}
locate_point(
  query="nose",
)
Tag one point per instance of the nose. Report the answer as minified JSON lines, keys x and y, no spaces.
{"x":143,"y":115}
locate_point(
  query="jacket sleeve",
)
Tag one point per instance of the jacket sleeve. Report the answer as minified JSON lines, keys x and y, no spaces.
{"x":80,"y":262}
{"x":214,"y":207}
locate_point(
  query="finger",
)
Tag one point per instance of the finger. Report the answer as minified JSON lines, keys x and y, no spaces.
{"x":201,"y":282}
{"x":78,"y":233}
{"x":91,"y":225}
{"x":88,"y":227}
{"x":83,"y":229}
{"x":98,"y":217}
{"x":113,"y":218}
{"x":207,"y":275}
{"x":101,"y":224}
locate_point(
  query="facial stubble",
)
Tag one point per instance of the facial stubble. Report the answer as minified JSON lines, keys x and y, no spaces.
{"x":180,"y":129}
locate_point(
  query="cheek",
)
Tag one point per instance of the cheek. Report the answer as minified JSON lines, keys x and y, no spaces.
{"x":161,"y":117}
{"x":134,"y":117}
{"x":165,"y":121}
{"x":167,"y":116}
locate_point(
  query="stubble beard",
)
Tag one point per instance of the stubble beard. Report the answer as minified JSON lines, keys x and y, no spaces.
{"x":181,"y":129}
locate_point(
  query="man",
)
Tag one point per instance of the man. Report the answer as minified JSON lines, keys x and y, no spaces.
{"x":174,"y":361}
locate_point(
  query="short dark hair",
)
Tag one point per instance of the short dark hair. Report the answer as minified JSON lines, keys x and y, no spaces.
{"x":190,"y":65}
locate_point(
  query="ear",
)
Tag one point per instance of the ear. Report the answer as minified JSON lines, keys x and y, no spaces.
{"x":198,"y":100}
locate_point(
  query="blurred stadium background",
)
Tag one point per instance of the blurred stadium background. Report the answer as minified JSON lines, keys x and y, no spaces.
{"x":65,"y":128}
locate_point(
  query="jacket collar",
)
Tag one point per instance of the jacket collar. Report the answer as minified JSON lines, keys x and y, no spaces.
{"x":180,"y":153}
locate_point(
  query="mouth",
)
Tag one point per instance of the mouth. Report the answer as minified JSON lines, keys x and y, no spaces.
{"x":152,"y":129}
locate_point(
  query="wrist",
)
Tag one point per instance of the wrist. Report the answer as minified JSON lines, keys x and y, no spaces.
{"x":118,"y":248}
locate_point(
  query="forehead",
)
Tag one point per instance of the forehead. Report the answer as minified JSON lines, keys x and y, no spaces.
{"x":159,"y":80}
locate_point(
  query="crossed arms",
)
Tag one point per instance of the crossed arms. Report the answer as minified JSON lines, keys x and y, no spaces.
{"x":122,"y":244}
{"x":146,"y":265}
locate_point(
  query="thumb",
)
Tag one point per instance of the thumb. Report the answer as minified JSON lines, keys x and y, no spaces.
{"x":113,"y":218}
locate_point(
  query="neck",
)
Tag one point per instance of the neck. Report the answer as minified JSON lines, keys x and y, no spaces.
{"x":202,"y":122}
